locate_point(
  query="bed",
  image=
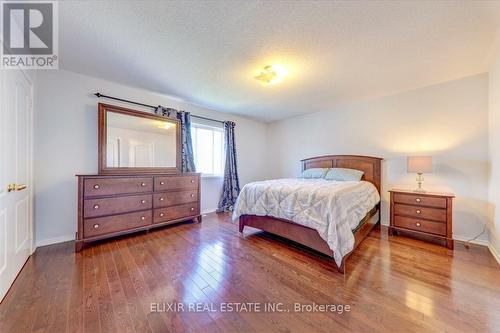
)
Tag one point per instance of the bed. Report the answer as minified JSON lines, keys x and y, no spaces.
{"x":309,"y":234}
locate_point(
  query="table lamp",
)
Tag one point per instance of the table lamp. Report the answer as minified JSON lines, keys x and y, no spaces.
{"x":419,"y":165}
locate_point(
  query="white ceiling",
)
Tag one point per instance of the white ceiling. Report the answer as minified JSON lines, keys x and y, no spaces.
{"x":337,"y":52}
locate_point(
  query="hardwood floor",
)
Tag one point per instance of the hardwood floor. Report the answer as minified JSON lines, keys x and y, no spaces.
{"x":390,"y":285}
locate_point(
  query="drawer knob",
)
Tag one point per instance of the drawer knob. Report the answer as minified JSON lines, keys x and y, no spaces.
{"x":161,"y":199}
{"x":143,"y":218}
{"x":418,"y":200}
{"x":192,"y":195}
{"x":162,"y":183}
{"x":162,"y":214}
{"x":192,"y":180}
{"x":192,"y":208}
{"x":96,"y":206}
{"x":418,"y":224}
{"x":143,"y":201}
{"x":418,"y":211}
{"x":143,"y":184}
{"x":96,"y":226}
{"x":96,"y":186}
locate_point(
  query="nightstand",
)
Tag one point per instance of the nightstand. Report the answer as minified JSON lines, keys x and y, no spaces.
{"x":422,"y":213}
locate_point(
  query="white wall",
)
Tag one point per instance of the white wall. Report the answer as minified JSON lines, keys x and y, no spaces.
{"x":494,"y":150}
{"x":448,"y":121}
{"x":66,"y":144}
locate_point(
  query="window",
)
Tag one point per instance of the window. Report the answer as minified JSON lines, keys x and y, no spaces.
{"x":208,"y":149}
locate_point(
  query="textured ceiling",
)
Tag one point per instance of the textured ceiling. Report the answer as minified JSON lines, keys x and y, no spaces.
{"x":336,"y":52}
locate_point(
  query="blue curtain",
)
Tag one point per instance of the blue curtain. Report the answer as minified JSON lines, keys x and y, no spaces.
{"x":187,"y":156}
{"x":231,"y":185}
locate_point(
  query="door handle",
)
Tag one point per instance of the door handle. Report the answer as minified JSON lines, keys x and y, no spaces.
{"x":20,"y":187}
{"x":16,"y":187}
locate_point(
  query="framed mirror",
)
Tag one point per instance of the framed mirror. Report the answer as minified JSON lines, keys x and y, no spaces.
{"x":133,"y":141}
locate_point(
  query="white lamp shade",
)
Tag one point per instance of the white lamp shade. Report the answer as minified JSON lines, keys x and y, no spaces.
{"x":419,"y":164}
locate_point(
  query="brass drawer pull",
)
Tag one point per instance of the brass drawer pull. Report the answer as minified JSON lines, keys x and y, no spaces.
{"x":161,"y":199}
{"x":418,"y":211}
{"x":192,"y":208}
{"x":96,"y":206}
{"x":96,"y":226}
{"x":418,"y":200}
{"x":143,"y":218}
{"x":143,"y":201}
{"x":162,"y":214}
{"x":192,"y":195}
{"x":162,"y":183}
{"x":143,"y":184}
{"x":96,"y":186}
{"x":192,"y":180}
{"x":418,"y":224}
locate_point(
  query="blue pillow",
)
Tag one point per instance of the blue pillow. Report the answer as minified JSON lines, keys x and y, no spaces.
{"x":314,"y":173}
{"x":343,"y":174}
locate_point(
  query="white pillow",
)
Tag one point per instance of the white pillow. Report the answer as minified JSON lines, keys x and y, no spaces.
{"x":314,"y":173}
{"x":344,"y":174}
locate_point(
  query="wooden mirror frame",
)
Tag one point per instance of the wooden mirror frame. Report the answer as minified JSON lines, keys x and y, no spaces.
{"x":102,"y":142}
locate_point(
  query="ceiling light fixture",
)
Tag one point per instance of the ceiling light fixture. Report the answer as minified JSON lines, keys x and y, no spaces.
{"x":271,"y":74}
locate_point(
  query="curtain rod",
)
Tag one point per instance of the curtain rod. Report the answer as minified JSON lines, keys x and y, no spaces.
{"x":99,"y":95}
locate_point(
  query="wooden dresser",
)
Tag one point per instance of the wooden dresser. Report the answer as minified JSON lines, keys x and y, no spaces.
{"x":111,"y":205}
{"x":426,"y":214}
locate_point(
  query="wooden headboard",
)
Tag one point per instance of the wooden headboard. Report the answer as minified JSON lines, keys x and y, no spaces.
{"x":371,"y":166}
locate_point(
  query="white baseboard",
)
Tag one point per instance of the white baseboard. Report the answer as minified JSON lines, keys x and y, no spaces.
{"x":55,"y":240}
{"x":488,"y":244}
{"x":464,"y":239}
{"x":494,"y":246}
{"x":494,"y":252}
{"x":210,"y":210}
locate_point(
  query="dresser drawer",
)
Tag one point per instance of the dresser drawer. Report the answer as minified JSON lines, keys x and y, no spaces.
{"x":436,"y":228}
{"x":175,"y":212}
{"x":109,"y":206}
{"x":111,"y":186}
{"x":174,"y":198}
{"x":421,"y":200}
{"x":105,"y":225}
{"x":420,"y":212}
{"x":176,"y":183}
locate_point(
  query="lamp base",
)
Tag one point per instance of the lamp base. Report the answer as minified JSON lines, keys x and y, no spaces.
{"x":420,"y":180}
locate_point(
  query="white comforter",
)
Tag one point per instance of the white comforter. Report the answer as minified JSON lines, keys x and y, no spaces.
{"x":333,"y":208}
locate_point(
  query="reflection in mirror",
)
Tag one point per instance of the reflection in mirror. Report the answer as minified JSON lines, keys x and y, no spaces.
{"x":140,"y":142}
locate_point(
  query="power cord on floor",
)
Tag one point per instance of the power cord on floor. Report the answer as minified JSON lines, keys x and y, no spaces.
{"x":467,"y":242}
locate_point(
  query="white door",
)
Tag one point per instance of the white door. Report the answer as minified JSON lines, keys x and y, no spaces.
{"x":16,"y":119}
{"x":140,"y":153}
